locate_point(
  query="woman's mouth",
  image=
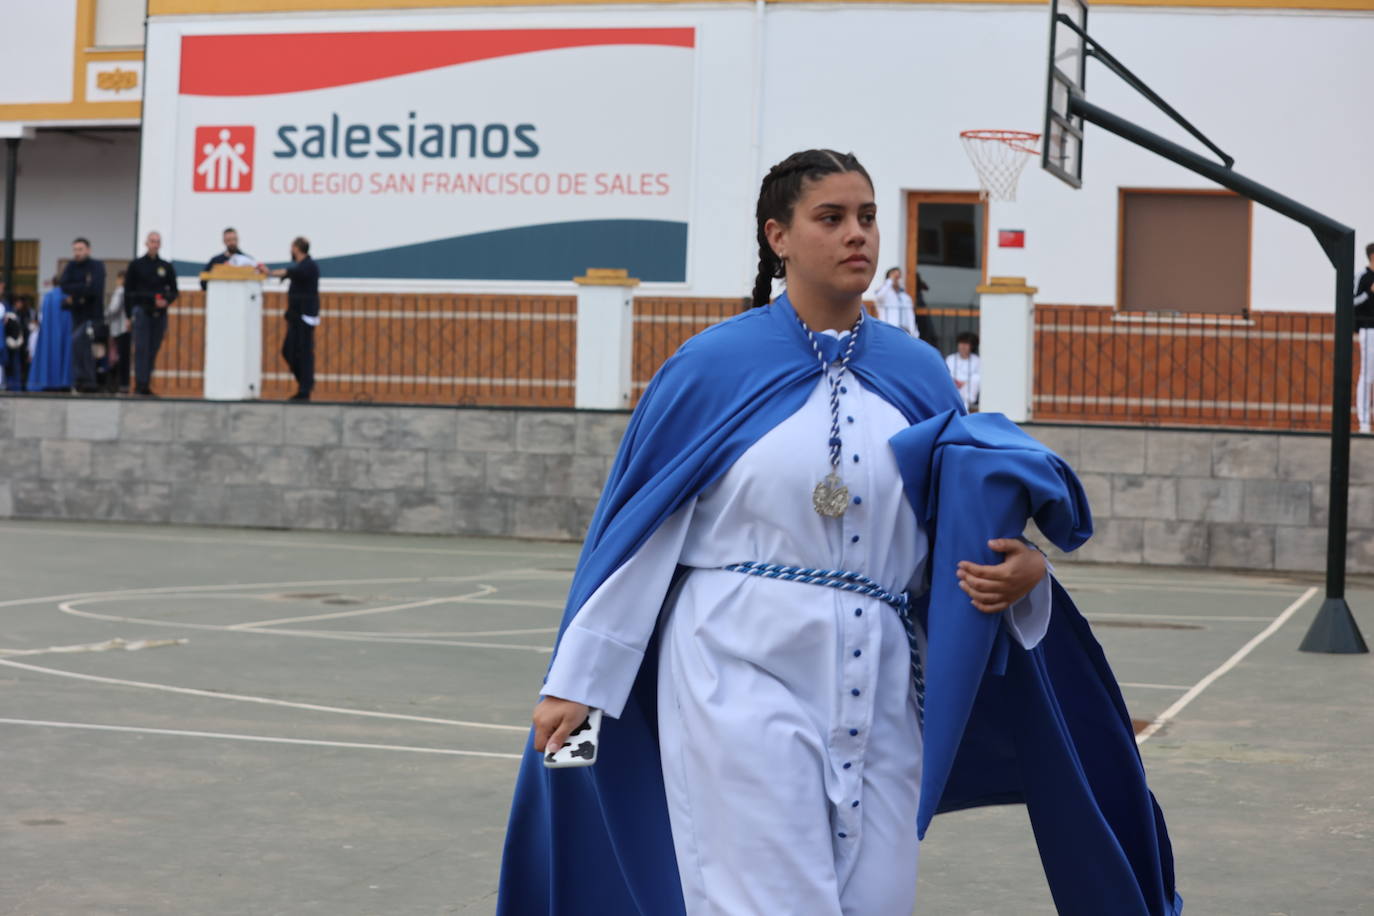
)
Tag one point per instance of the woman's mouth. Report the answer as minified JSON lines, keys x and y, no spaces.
{"x":856,"y":260}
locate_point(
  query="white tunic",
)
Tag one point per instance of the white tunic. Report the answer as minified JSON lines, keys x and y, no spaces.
{"x":967,"y":372}
{"x":787,"y":719}
{"x":895,"y":307}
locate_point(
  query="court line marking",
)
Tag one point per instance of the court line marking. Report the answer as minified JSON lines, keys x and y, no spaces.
{"x":1124,"y":615}
{"x":458,"y":633}
{"x":70,"y":607}
{"x":21,"y":528}
{"x":482,"y":591}
{"x":1182,"y":702}
{"x":266,"y":701}
{"x":176,"y":589}
{"x":265,"y":739}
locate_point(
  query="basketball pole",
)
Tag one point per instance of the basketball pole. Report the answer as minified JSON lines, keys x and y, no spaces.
{"x":1334,"y":629}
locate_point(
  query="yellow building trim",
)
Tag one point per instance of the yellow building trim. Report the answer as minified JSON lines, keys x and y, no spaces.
{"x":72,"y":111}
{"x":221,"y":7}
{"x":85,"y":37}
{"x":96,"y":55}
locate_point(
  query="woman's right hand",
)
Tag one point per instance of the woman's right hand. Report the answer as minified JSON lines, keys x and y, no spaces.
{"x":554,"y":720}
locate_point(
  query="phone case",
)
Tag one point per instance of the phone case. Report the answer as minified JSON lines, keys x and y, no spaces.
{"x":580,"y":748}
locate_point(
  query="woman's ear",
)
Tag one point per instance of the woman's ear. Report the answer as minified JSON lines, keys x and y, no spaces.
{"x":776,"y":233}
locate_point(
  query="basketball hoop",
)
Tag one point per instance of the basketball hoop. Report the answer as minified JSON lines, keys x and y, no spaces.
{"x":999,"y":156}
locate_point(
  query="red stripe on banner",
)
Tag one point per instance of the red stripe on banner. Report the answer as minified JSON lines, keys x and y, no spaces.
{"x":233,"y":65}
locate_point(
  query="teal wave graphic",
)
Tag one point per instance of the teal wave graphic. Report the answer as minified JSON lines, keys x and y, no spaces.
{"x":652,"y":250}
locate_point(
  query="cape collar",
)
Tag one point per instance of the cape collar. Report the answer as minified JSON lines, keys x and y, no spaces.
{"x":786,"y":319}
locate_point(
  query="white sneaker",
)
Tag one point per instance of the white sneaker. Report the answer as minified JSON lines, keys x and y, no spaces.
{"x":1365,"y":430}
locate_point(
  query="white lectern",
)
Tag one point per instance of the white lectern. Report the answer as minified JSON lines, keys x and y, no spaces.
{"x":233,"y":333}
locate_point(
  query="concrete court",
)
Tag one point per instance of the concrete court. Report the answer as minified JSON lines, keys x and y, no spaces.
{"x":327,"y":724}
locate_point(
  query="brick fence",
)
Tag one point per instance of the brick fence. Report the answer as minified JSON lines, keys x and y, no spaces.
{"x":1200,"y":498}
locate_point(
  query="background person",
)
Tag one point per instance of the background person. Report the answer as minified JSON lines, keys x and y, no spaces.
{"x":51,"y":369}
{"x":83,"y":291}
{"x":117,"y":320}
{"x":895,"y":306}
{"x":231,"y":254}
{"x":302,"y":316}
{"x":966,"y":368}
{"x":150,"y":289}
{"x":1364,"y":333}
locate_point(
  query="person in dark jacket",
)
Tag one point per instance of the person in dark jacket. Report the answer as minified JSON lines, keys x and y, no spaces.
{"x":1364,"y":333}
{"x":150,"y":287}
{"x":83,"y":290}
{"x":231,"y":255}
{"x":302,"y":316}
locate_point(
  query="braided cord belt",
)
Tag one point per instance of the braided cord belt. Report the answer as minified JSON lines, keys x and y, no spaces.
{"x":858,"y":583}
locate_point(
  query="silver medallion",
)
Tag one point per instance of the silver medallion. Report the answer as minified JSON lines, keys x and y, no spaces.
{"x":831,"y":496}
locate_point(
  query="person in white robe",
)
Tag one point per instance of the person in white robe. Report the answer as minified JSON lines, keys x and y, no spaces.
{"x":894,"y":303}
{"x":789,"y":727}
{"x":966,"y":369}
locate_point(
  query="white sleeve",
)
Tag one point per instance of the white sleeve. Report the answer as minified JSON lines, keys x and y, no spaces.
{"x":1028,"y":619}
{"x":599,"y":655}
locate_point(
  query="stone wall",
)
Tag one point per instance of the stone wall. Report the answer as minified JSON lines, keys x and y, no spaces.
{"x":1221,"y":499}
{"x":422,"y":470}
{"x":1166,"y":497}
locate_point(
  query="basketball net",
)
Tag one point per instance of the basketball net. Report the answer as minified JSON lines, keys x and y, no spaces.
{"x":999,"y":156}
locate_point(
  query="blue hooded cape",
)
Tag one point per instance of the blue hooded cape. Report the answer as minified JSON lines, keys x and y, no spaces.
{"x":596,"y":841}
{"x":52,"y":358}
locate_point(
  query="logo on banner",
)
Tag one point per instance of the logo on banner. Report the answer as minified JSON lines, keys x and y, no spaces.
{"x":224,"y":159}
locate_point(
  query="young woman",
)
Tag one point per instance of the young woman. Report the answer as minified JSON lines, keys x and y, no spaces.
{"x":741,"y":610}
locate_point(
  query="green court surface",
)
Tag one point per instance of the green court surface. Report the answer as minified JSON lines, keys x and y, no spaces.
{"x":204,"y":721}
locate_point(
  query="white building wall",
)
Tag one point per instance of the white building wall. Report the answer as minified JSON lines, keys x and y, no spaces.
{"x":36,"y":50}
{"x":1285,"y":93}
{"x":76,"y":184}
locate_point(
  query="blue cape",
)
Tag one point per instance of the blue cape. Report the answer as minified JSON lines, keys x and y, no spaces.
{"x":52,"y":357}
{"x":597,"y":840}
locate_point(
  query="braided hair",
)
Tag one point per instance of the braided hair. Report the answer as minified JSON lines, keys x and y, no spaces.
{"x":781,"y":188}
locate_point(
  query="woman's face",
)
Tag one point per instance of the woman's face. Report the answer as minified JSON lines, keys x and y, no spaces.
{"x":831,"y":246}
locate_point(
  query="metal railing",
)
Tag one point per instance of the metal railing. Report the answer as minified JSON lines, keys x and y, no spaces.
{"x":1092,"y":364}
{"x":1267,"y":370}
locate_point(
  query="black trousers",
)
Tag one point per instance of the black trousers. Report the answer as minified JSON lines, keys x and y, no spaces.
{"x":298,"y":349}
{"x":83,"y":358}
{"x":150,"y":326}
{"x":122,"y":344}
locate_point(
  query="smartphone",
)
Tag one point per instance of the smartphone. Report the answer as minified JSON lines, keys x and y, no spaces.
{"x":580,"y":748}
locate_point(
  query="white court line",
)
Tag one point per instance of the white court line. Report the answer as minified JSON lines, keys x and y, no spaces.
{"x":22,"y":528}
{"x":177,"y":589}
{"x":1163,"y":718}
{"x":266,"y":701}
{"x":539,"y":631}
{"x":266,"y":739}
{"x":70,"y":607}
{"x":482,"y":590}
{"x":1153,"y":686}
{"x":1148,"y":616}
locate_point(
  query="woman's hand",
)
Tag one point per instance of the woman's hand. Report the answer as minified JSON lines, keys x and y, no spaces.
{"x":996,"y":588}
{"x":554,"y":720}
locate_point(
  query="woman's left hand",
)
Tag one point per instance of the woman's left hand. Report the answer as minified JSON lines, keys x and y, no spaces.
{"x":996,"y":588}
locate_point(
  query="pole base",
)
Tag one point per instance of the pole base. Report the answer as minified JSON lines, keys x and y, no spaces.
{"x":1334,"y":630}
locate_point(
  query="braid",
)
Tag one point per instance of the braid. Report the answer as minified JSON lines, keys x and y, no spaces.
{"x":778,"y":194}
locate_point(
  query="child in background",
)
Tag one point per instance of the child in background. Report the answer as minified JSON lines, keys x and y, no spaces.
{"x":966,"y":369}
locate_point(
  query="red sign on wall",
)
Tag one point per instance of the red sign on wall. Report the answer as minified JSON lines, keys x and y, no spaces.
{"x":224,"y":159}
{"x":1011,"y":238}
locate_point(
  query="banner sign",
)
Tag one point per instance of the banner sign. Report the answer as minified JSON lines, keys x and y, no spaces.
{"x":530,"y":154}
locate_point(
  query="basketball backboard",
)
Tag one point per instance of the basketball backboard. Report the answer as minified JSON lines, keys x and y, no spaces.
{"x":1061,"y":153}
